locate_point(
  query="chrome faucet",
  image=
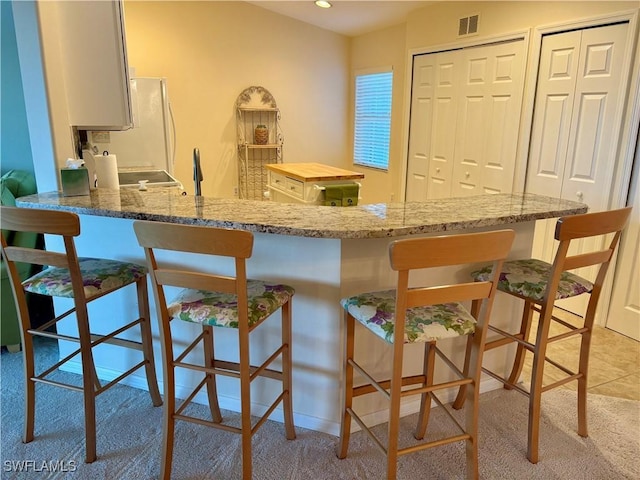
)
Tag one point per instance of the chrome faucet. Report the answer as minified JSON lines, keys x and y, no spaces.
{"x":197,"y":172}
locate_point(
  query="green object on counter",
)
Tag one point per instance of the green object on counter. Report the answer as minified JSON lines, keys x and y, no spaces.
{"x":75,"y":181}
{"x":344,"y":194}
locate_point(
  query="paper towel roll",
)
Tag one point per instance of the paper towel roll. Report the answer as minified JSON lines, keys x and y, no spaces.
{"x":107,"y":171}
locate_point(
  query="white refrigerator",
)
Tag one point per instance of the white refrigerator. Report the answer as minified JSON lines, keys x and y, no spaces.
{"x":146,"y":151}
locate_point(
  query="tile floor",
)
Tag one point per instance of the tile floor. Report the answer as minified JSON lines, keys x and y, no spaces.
{"x":614,"y":364}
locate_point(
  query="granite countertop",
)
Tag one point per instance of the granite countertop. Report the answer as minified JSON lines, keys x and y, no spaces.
{"x":362,"y":221}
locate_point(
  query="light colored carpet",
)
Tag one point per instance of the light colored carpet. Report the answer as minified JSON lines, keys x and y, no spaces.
{"x":129,"y":437}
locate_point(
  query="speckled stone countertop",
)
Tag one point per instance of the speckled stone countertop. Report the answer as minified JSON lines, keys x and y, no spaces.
{"x":363,"y":221}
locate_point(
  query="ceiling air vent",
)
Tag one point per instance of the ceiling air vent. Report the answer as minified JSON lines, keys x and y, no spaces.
{"x":468,"y":25}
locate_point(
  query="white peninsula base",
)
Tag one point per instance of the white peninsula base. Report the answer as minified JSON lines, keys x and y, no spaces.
{"x":322,"y":270}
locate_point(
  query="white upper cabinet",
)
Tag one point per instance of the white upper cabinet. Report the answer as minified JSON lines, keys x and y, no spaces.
{"x":93,"y":61}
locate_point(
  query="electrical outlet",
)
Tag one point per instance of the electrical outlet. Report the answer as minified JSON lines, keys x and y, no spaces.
{"x":235,"y":191}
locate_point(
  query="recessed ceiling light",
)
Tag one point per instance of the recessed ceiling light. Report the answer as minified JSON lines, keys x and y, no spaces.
{"x":323,"y":4}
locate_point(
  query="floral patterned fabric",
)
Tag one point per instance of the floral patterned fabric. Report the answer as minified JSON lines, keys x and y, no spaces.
{"x":98,"y":275}
{"x":221,"y":309}
{"x":528,"y":278}
{"x":376,"y":311}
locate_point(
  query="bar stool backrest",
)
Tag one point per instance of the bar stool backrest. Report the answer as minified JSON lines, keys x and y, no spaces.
{"x":200,"y":240}
{"x":584,"y":226}
{"x":415,"y":254}
{"x":65,"y":224}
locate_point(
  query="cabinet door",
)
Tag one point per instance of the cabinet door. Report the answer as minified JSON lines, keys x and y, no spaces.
{"x":94,"y":62}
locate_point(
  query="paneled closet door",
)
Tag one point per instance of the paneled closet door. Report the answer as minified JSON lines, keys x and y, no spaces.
{"x":625,"y":303}
{"x":423,"y":88}
{"x":433,"y":126}
{"x":577,"y":114}
{"x":465,"y":112}
{"x":557,"y":76}
{"x":488,"y":118}
{"x":577,"y":120}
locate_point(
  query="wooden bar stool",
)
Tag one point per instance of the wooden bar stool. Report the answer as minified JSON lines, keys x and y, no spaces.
{"x":216,"y":300}
{"x":424,"y":314}
{"x":540,"y":284}
{"x":84,"y":280}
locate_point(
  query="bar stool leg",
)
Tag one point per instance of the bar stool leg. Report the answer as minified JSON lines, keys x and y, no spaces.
{"x":209,"y":361}
{"x":245,"y":405}
{"x":169,"y":426}
{"x":169,"y":401}
{"x":476,"y":343}
{"x":582,"y":390}
{"x":425,"y":400}
{"x":146,"y":338}
{"x":583,"y":365}
{"x":518,"y":362}
{"x":462,"y":390}
{"x":535,"y":393}
{"x":347,"y":390}
{"x":89,"y":380}
{"x":30,"y":388}
{"x":394,"y":411}
{"x":287,"y":404}
{"x":471,"y":423}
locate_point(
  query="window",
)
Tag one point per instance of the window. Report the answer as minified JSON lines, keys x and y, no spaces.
{"x":372,"y":120}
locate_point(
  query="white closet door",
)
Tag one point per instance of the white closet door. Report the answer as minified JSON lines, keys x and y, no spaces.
{"x":488,"y":118}
{"x":624,"y":315}
{"x":465,"y":112}
{"x":577,"y":114}
{"x":597,"y":114}
{"x":557,"y":76}
{"x":555,"y":92}
{"x":422,"y":101}
{"x":444,"y":125}
{"x":577,"y":119}
{"x":432,"y":126}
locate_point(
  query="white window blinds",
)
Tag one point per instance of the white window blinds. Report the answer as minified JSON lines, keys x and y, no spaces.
{"x":373,"y":120}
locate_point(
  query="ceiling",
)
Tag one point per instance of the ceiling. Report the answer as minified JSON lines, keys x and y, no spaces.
{"x":347,"y":17}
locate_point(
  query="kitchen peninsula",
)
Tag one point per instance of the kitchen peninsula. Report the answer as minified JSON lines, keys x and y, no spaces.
{"x":325,"y":253}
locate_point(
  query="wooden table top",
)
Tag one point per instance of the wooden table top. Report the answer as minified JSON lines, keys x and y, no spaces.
{"x":313,"y":172}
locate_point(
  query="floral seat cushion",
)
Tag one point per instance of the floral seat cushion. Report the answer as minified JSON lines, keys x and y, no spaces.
{"x":376,"y":311}
{"x":99,"y":276}
{"x":528,"y":278}
{"x":221,"y":309}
